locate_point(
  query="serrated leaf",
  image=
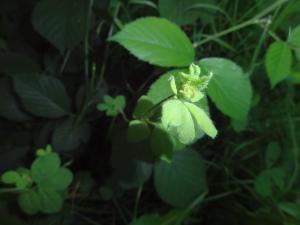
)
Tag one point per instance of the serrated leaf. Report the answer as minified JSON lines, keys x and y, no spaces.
{"x":61,"y":22}
{"x":278,"y":62}
{"x":44,"y":167}
{"x":157,"y":41}
{"x":42,"y":95}
{"x":50,"y":200}
{"x":294,"y":40}
{"x":9,"y":106}
{"x":161,"y":143}
{"x":180,"y":181}
{"x":202,"y":120}
{"x":29,"y":202}
{"x":10,"y":177}
{"x":137,"y":131}
{"x":272,"y":154}
{"x":180,"y":12}
{"x":230,"y":89}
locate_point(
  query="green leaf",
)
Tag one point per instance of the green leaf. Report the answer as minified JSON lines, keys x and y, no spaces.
{"x":272,"y":154}
{"x":16,"y":63}
{"x":291,"y":209}
{"x":60,"y":180}
{"x":230,"y":89}
{"x":181,"y":12}
{"x":50,"y":200}
{"x":157,"y":41}
{"x":150,"y":219}
{"x":142,"y":106}
{"x":61,"y":22}
{"x":112,"y":106}
{"x":177,"y":119}
{"x":161,"y":143}
{"x":268,"y":179}
{"x":42,"y":95}
{"x":29,"y":202}
{"x":294,"y":40}
{"x":68,"y":135}
{"x":138,"y":130}
{"x":45,"y":167}
{"x":9,"y":106}
{"x":180,"y":181}
{"x":202,"y":120}
{"x":10,"y":177}
{"x":278,"y":62}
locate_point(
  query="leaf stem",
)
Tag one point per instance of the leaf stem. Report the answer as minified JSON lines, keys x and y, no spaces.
{"x":137,"y":200}
{"x":257,"y":19}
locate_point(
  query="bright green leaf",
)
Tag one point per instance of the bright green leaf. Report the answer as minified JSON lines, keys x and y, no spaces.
{"x":202,"y":120}
{"x":278,"y":62}
{"x":180,"y":181}
{"x":138,"y":130}
{"x":291,"y":209}
{"x":61,"y":22}
{"x":177,"y":119}
{"x":42,"y":95}
{"x":112,"y":106}
{"x":230,"y":89}
{"x":10,"y":177}
{"x":157,"y":41}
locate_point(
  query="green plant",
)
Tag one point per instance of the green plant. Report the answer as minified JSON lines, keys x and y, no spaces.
{"x":43,"y":187}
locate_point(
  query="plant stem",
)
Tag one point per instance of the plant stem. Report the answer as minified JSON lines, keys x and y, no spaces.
{"x":255,"y":20}
{"x":86,"y":40}
{"x":11,"y":190}
{"x":137,"y":200}
{"x":156,"y":106}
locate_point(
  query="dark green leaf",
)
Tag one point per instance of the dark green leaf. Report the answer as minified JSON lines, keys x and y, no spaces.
{"x":272,"y":154}
{"x":29,"y":202}
{"x":68,"y":135}
{"x":42,"y":96}
{"x":138,"y":130}
{"x":50,"y":200}
{"x":9,"y":106}
{"x":161,"y":143}
{"x":61,"y":22}
{"x":180,"y":181}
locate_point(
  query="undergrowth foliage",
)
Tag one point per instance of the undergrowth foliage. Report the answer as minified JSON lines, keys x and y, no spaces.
{"x":162,"y":112}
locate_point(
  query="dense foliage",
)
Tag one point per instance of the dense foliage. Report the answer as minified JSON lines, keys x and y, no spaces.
{"x":149,"y":112}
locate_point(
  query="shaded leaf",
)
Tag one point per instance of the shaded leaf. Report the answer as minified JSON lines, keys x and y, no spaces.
{"x":42,"y":96}
{"x":180,"y":181}
{"x":272,"y":154}
{"x":61,"y":22}
{"x":138,"y":130}
{"x":29,"y":202}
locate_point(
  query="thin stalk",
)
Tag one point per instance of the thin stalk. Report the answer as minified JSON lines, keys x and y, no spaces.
{"x":121,"y":213}
{"x":136,"y":203}
{"x":86,"y":40}
{"x":257,"y":19}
